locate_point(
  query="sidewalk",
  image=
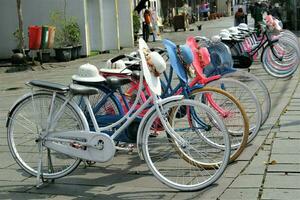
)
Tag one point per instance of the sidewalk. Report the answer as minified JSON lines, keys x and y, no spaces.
{"x":267,"y":169}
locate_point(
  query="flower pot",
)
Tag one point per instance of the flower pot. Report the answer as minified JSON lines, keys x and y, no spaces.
{"x":79,"y":51}
{"x":20,"y":51}
{"x":18,"y":59}
{"x":74,"y":53}
{"x":45,"y":57}
{"x":63,"y":54}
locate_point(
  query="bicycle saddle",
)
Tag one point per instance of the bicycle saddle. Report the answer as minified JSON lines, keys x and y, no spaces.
{"x":77,"y":89}
{"x":49,"y":86}
{"x":115,"y":82}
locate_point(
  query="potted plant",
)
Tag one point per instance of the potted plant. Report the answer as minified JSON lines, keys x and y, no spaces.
{"x":73,"y":36}
{"x":136,"y":24}
{"x":62,"y":47}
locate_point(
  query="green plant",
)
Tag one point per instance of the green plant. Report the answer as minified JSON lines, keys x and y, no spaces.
{"x":58,"y":19}
{"x":67,"y":29}
{"x":18,"y":38}
{"x":136,"y":22}
{"x":72,"y":31}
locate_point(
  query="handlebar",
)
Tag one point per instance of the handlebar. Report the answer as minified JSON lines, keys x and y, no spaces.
{"x":158,"y":50}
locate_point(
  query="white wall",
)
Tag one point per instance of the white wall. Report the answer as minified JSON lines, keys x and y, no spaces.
{"x":94,"y":25}
{"x":35,"y":12}
{"x":109,"y":25}
{"x":125,"y":23}
{"x":105,"y":24}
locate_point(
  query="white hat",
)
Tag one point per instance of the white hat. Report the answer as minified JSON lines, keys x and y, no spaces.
{"x":233,"y":31}
{"x":88,"y":73}
{"x":225,"y":36}
{"x":116,"y":67}
{"x":276,"y":5}
{"x":215,"y":38}
{"x":152,"y":62}
{"x":243,"y":26}
{"x":224,"y":30}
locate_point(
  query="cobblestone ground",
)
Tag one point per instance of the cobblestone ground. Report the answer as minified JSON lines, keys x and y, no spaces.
{"x":268,"y":168}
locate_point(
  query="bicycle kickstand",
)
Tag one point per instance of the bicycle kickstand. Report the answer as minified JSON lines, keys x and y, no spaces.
{"x":39,"y":178}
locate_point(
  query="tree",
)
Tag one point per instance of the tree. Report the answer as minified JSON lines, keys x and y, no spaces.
{"x":21,"y":32}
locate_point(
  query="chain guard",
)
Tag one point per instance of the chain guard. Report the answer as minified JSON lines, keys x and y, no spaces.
{"x":92,"y":146}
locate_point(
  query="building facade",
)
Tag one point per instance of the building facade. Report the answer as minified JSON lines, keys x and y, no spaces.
{"x":105,"y":24}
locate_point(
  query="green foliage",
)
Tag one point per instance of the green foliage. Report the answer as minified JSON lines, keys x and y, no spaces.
{"x":72,"y":31}
{"x":67,"y":30}
{"x":136,"y":22}
{"x":18,"y":38}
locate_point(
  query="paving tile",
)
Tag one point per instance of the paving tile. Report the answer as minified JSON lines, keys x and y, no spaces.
{"x":130,"y":192}
{"x":286,"y":158}
{"x":241,"y":194}
{"x":14,"y":195}
{"x":290,"y":181}
{"x":280,"y":194}
{"x":68,"y":190}
{"x":247,"y":181}
{"x":258,"y":164}
{"x":286,"y":147}
{"x":288,"y":134}
{"x":284,"y":168}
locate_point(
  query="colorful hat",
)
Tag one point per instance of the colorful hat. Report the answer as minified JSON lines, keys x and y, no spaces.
{"x":181,"y":57}
{"x":201,"y":55}
{"x":153,"y":65}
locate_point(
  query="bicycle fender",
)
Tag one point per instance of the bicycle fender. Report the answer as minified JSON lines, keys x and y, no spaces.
{"x":145,"y":118}
{"x":13,"y":107}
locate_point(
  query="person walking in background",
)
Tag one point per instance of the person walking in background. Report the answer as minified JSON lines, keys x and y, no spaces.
{"x":257,"y":14}
{"x":146,"y":25}
{"x":239,"y":16}
{"x":275,"y":12}
{"x":154,"y":23}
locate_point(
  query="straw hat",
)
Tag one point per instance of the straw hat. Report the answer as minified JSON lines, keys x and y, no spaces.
{"x":152,"y":65}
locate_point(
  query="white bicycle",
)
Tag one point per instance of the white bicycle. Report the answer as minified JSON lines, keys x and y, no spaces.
{"x":48,"y":134}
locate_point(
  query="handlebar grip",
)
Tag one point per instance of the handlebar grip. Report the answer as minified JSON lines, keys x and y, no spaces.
{"x":119,"y":57}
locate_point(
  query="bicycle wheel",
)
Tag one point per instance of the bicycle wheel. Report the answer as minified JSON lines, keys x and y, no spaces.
{"x":231,"y":112}
{"x":248,"y":100}
{"x":282,"y":59}
{"x":258,"y":87}
{"x":28,"y":120}
{"x":179,"y":165}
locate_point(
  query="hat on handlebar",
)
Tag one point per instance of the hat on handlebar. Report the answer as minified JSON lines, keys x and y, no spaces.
{"x":233,"y":30}
{"x":181,"y":58}
{"x":153,"y":65}
{"x":243,"y":26}
{"x":88,"y":73}
{"x":118,"y":67}
{"x":224,"y":31}
{"x":225,"y":36}
{"x":215,"y":38}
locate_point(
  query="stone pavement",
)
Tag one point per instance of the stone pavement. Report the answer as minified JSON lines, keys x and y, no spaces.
{"x":267,"y":169}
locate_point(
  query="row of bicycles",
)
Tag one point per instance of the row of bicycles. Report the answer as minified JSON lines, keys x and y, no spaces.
{"x":189,"y":112}
{"x":277,"y":49}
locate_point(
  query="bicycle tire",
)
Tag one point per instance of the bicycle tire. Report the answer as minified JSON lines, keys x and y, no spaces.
{"x":247,"y":98}
{"x":21,"y":147}
{"x":179,"y":165}
{"x":236,"y":121}
{"x":257,"y":86}
{"x":273,"y":69}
